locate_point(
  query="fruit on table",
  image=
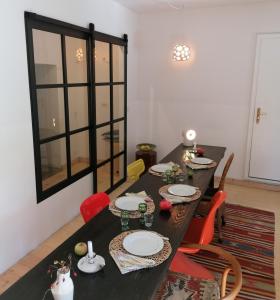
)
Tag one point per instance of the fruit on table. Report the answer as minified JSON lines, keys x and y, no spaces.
{"x":145,"y":148}
{"x":80,"y":249}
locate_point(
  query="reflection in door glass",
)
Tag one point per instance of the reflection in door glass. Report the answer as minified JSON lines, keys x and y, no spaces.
{"x":118,"y":93}
{"x":76,"y":60}
{"x":53,"y":163}
{"x":118,"y":63}
{"x":102,"y":104}
{"x":79,"y":145}
{"x":104,"y":178}
{"x":78,"y":107}
{"x":50,"y":112}
{"x":103,"y":143}
{"x":47,"y":57}
{"x":118,"y":137}
{"x":102,"y":62}
{"x":118,"y":168}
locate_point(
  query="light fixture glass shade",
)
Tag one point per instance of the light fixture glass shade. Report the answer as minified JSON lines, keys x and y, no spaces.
{"x":181,"y":53}
{"x":189,"y":136}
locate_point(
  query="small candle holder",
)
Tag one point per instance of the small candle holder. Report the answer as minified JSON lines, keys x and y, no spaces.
{"x":142,"y":208}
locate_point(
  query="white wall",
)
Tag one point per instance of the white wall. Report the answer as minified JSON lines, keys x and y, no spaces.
{"x":23,"y":222}
{"x":212,"y":92}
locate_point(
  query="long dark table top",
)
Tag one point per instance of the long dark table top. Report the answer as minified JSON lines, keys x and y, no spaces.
{"x":109,"y":283}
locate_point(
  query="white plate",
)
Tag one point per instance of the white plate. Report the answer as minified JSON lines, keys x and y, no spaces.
{"x":182,"y":190}
{"x":129,"y":203}
{"x":143,"y":243}
{"x":161,"y":168}
{"x":202,"y":161}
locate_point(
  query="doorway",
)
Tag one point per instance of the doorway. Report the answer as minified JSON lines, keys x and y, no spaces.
{"x":263,"y":163}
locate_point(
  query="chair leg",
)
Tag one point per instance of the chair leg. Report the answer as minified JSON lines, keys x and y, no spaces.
{"x":223,"y":208}
{"x":219,"y":224}
{"x":223,"y":220}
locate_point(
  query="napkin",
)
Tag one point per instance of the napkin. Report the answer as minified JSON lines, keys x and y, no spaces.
{"x":175,"y":199}
{"x":197,"y":166}
{"x":141,"y":194}
{"x":128,"y":263}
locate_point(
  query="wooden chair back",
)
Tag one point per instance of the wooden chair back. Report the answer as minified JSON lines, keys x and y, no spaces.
{"x":234,"y":267}
{"x":225,"y":171}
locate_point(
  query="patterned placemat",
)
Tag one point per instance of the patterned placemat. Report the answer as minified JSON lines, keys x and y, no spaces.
{"x":163,"y":191}
{"x":117,"y":245}
{"x":132,"y":214}
{"x":200,"y":167}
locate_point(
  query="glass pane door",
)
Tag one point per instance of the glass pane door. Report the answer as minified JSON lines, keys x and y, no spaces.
{"x":110,"y":99}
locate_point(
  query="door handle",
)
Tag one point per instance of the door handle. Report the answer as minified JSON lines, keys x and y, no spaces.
{"x":259,"y":114}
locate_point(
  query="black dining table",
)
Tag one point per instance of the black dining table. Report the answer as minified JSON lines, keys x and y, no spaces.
{"x":109,"y":283}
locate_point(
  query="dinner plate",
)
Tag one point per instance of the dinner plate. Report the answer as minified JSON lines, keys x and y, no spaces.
{"x":143,"y":243}
{"x":129,"y":203}
{"x":202,"y":161}
{"x":161,"y":168}
{"x":182,"y":190}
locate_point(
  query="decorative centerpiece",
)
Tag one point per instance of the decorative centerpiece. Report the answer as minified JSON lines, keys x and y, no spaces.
{"x":63,"y":287}
{"x":146,"y":147}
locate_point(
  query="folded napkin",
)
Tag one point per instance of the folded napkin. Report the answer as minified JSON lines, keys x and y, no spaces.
{"x":175,"y":199}
{"x":128,"y":263}
{"x":140,"y":194}
{"x":200,"y":167}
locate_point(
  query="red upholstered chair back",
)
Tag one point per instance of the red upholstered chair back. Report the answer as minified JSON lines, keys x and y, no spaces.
{"x":94,"y":205}
{"x":207,"y":232}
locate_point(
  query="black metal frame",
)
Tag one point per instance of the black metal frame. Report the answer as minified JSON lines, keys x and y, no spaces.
{"x":111,"y":40}
{"x":34,"y":21}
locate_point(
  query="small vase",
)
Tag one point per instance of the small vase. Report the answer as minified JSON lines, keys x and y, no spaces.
{"x":63,"y":287}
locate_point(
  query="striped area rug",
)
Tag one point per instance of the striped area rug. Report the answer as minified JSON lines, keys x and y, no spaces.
{"x":249,"y":236}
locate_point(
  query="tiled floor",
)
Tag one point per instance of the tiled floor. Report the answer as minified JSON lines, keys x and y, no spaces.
{"x":252,"y":197}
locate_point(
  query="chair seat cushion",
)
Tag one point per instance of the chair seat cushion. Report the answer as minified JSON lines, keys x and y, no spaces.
{"x":177,"y":286}
{"x":181,"y":263}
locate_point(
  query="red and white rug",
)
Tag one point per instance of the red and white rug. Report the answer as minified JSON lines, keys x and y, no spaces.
{"x":249,"y":236}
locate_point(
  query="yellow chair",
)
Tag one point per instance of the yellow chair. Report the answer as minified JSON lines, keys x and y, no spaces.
{"x":135,"y":169}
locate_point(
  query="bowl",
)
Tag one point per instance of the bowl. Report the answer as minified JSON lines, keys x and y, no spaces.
{"x":146,"y":147}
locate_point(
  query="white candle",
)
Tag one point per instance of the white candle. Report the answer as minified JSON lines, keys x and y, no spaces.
{"x":90,"y":249}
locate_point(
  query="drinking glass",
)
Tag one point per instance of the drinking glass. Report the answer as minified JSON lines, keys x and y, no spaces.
{"x":180,"y":178}
{"x":148,"y":220}
{"x":124,"y":219}
{"x":142,"y":208}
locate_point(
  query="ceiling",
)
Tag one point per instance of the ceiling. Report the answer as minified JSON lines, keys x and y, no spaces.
{"x":142,"y":6}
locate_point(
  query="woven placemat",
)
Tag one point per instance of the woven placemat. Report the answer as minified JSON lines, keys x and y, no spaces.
{"x":160,"y":174}
{"x":163,"y":191}
{"x":200,"y":167}
{"x":160,"y":257}
{"x":132,"y":214}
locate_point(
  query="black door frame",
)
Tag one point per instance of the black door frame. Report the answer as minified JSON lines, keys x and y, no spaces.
{"x":34,"y":21}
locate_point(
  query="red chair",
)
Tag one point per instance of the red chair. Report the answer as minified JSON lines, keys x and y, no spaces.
{"x":93,"y":205}
{"x":186,"y":267}
{"x":201,"y":229}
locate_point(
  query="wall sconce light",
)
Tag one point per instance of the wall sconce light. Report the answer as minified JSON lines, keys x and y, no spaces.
{"x":79,"y":55}
{"x":189,"y":137}
{"x":181,"y":53}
